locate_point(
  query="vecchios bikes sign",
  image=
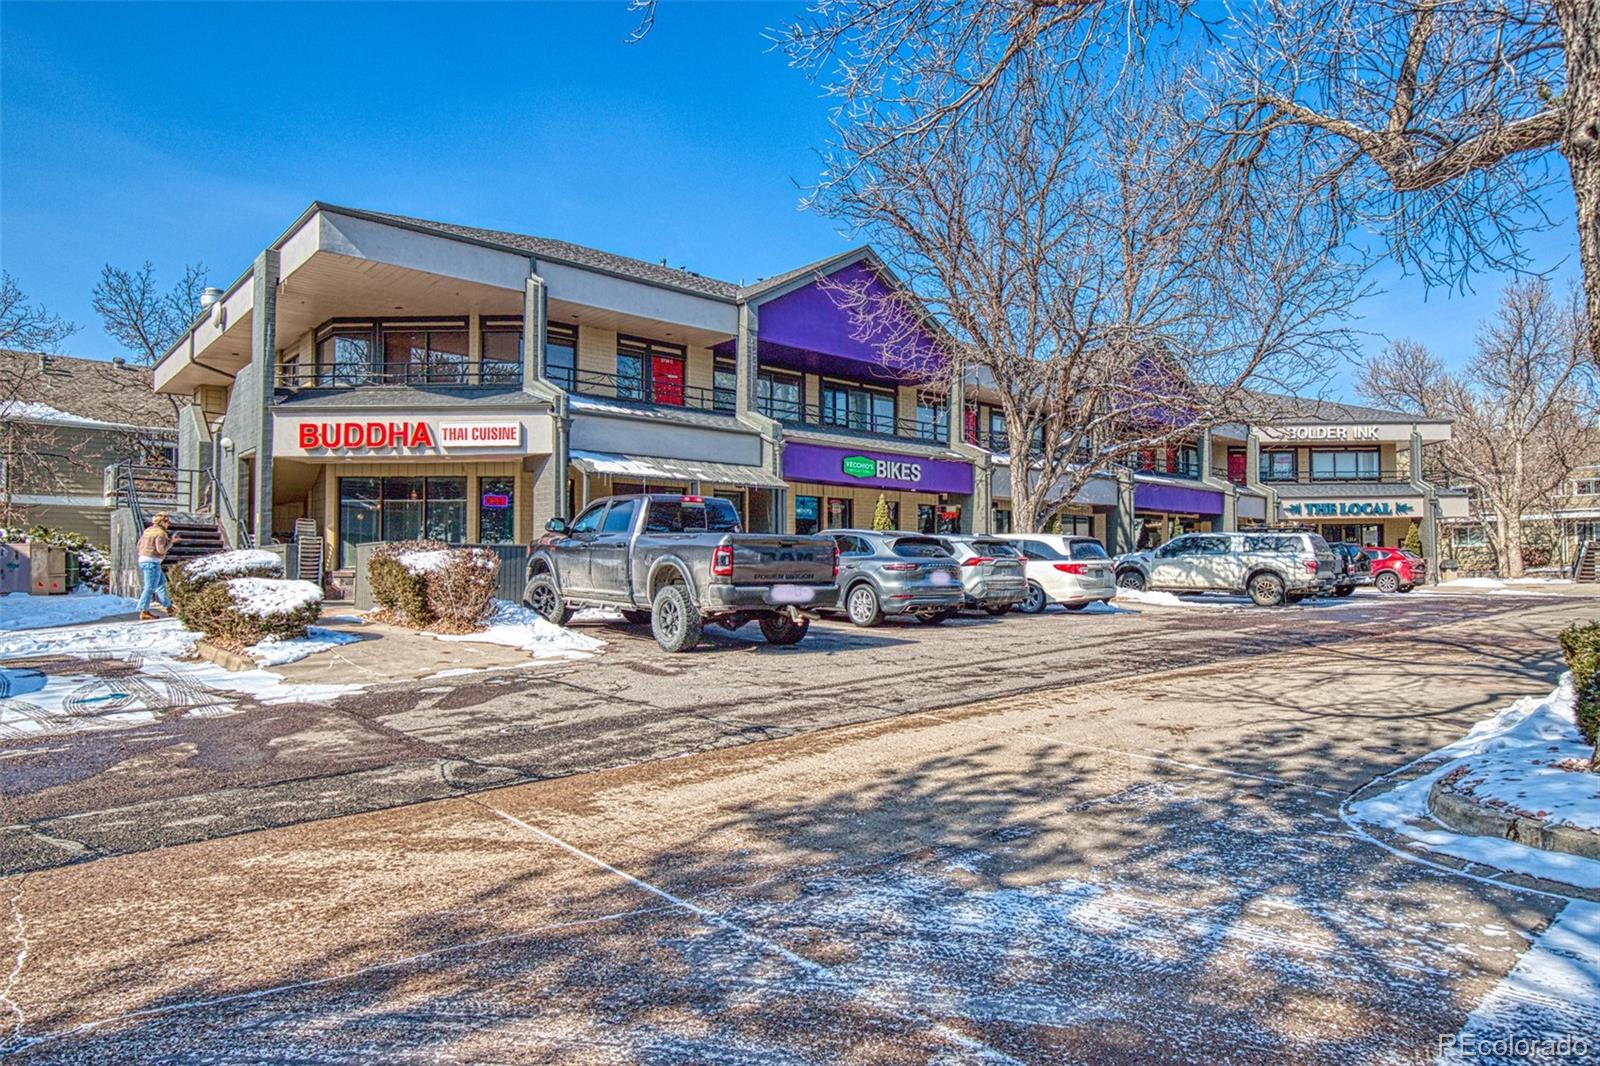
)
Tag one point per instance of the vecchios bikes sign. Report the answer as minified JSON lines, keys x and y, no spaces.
{"x":865,"y":466}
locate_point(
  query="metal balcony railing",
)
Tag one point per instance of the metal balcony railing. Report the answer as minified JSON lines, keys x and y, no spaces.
{"x":923,"y":431}
{"x":1306,"y":477}
{"x":448,"y":373}
{"x":644,"y":391}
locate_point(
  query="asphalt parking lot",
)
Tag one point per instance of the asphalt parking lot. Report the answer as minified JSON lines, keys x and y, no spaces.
{"x":1132,"y":848}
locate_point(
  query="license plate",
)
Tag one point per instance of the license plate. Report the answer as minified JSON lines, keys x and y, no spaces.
{"x":792,"y":594}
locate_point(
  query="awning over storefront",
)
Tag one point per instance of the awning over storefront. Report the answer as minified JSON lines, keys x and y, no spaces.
{"x":1180,"y":499}
{"x":875,"y":469}
{"x":649,"y":467}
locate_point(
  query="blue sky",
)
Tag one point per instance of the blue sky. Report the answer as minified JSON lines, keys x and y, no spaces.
{"x":183,"y":132}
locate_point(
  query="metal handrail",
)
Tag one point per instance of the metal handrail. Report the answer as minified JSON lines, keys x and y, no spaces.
{"x":646,"y":391}
{"x":448,"y":373}
{"x":925,"y":431}
{"x":1305,"y":477}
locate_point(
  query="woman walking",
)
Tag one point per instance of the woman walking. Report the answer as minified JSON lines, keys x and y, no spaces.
{"x":154,"y":544}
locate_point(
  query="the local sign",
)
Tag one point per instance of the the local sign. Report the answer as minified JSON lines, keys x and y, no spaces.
{"x":1362,"y":432}
{"x":1349,"y":509}
{"x":865,"y":466}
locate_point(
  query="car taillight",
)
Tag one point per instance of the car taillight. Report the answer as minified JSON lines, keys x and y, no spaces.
{"x":836,"y":560}
{"x":899,"y":566}
{"x":1073,"y":568}
{"x":977,"y":560}
{"x":722,"y":560}
{"x":1311,"y":566}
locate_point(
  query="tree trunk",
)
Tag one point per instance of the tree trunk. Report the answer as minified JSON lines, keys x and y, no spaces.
{"x":1580,"y":145}
{"x":1513,"y":543}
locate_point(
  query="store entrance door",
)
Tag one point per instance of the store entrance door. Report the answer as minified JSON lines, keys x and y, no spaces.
{"x":666,"y":379}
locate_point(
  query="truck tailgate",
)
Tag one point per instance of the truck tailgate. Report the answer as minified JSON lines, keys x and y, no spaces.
{"x":773,"y":559}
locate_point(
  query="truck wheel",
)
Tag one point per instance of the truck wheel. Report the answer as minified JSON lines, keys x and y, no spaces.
{"x":674,"y":619}
{"x":1035,"y":601}
{"x":1344,"y":590}
{"x":543,"y":597}
{"x":636,"y":618}
{"x":1387,"y":581}
{"x":1266,"y":590}
{"x":781,"y":629}
{"x":862,"y":606}
{"x":997,"y":610}
{"x":1132,"y":580}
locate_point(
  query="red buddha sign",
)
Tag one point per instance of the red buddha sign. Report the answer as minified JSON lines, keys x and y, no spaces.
{"x":350,"y":436}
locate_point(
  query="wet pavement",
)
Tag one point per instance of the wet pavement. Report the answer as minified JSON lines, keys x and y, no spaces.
{"x":1129,"y":848}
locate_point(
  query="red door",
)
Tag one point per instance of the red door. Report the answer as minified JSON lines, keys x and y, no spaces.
{"x":666,"y":379}
{"x":1236,"y":466}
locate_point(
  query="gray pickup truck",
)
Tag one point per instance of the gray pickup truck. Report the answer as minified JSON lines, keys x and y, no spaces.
{"x":678,"y":562}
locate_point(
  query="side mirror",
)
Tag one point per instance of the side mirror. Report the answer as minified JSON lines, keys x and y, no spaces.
{"x":556,"y":525}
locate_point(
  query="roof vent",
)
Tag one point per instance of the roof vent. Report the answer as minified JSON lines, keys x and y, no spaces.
{"x":209,"y":297}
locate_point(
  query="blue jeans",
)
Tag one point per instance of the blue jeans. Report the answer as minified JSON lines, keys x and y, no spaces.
{"x":155,"y":584}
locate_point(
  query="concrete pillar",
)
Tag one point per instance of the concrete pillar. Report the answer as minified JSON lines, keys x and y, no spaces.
{"x":1119,"y":523}
{"x":535,"y":316}
{"x":1252,"y":475}
{"x":1429,"y":525}
{"x":264,"y":358}
{"x":550,"y":475}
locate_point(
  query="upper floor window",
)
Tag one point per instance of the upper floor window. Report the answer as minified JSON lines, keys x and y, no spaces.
{"x":344,"y":355}
{"x":561,"y":354}
{"x":1278,"y":466}
{"x":1586,"y":485}
{"x":1344,"y":465}
{"x":724,"y":382}
{"x":650,"y":371}
{"x":501,"y":352}
{"x":780,"y":396}
{"x":930,"y":418}
{"x":425,"y":354}
{"x":858,"y":407}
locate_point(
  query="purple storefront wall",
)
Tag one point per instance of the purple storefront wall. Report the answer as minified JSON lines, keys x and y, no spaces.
{"x":816,"y":462}
{"x":1176,"y":498}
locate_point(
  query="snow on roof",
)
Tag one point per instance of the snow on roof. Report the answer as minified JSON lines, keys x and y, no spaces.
{"x":34,"y":411}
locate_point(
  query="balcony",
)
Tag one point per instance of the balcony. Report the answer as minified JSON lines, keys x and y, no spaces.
{"x":1303,"y":477}
{"x":633,"y":390}
{"x":921,"y":430}
{"x":457,"y":374}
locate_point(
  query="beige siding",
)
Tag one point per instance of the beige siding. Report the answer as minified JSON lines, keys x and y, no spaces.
{"x":597,"y":350}
{"x":697,"y":369}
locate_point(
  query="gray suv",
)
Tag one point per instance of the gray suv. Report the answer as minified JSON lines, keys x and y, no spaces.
{"x":895,"y":573}
{"x":991,"y":572}
{"x":1272,"y":568}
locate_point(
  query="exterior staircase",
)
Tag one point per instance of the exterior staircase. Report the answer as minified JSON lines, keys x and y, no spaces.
{"x":1585,"y":565}
{"x":189,"y":497}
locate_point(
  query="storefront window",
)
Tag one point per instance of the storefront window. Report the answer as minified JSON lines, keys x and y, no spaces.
{"x":927,"y":518}
{"x":838,"y":513}
{"x":1277,"y":466}
{"x":360,"y":515}
{"x":403,"y":507}
{"x":1344,"y":465}
{"x":950,"y":520}
{"x":807,"y":514}
{"x":497,"y":510}
{"x":399,"y":508}
{"x":735,"y":498}
{"x":1002,"y":520}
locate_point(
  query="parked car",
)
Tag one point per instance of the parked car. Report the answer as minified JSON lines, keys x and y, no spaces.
{"x":991,"y":572}
{"x":1071,"y":571}
{"x":1356,"y":569}
{"x":677,"y":562}
{"x":1396,"y":570}
{"x":884,"y":573}
{"x":1271,"y":567}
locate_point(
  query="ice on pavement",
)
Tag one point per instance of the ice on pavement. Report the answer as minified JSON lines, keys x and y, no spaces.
{"x":275,"y":652}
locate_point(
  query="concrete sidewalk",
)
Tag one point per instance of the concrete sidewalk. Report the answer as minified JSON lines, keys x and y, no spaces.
{"x":1149,"y":867}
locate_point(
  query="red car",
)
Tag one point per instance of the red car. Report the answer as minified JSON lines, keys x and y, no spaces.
{"x":1395,"y":569}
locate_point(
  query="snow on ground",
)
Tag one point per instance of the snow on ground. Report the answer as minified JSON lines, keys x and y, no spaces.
{"x":274,"y":652}
{"x":1548,"y":995}
{"x":133,"y":673}
{"x":19,"y":610}
{"x":264,"y":597}
{"x":1509,"y":756}
{"x":224,"y":564}
{"x":1105,"y":607}
{"x":1500,"y":582}
{"x":1157,"y":599}
{"x":518,"y":627}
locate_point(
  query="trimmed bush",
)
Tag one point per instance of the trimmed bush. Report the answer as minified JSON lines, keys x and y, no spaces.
{"x":1580,"y":644}
{"x":240,"y":611}
{"x":429,"y":585}
{"x":187,"y":580}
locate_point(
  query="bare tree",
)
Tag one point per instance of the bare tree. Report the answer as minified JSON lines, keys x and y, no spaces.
{"x":1521,"y":407}
{"x":1436,"y":121}
{"x":28,"y":327}
{"x":1115,"y":292}
{"x":142,"y":317}
{"x":31,"y":452}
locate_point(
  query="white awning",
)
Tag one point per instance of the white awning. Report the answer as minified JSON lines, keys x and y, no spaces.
{"x":654,"y":468}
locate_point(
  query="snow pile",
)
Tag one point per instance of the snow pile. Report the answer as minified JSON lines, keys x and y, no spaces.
{"x":1107,"y":607}
{"x":1153,"y":598}
{"x":34,"y":411}
{"x":19,"y":610}
{"x":273,"y":651}
{"x":426,"y":562}
{"x":1512,"y":761}
{"x":234,"y":563}
{"x":265,"y":597}
{"x":518,"y":627}
{"x":1500,"y":582}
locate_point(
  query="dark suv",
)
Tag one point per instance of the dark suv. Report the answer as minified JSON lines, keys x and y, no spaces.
{"x":1357,"y":568}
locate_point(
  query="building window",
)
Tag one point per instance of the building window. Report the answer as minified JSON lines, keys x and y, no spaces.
{"x":736,"y":498}
{"x":497,"y":512}
{"x":1588,"y":485}
{"x":724,"y":382}
{"x":931,"y":419}
{"x":400,"y":508}
{"x":561,"y":355}
{"x":858,"y":408}
{"x":838,"y":513}
{"x":807,"y":514}
{"x":344,"y":356}
{"x":1278,"y":466}
{"x":501,"y":361}
{"x":927,"y":518}
{"x":649,"y":371}
{"x":780,"y":396}
{"x":1332,"y":465}
{"x":893,"y":507}
{"x":1002,"y":520}
{"x":419,"y":356}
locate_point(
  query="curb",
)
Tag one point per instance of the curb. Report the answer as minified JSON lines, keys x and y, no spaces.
{"x":1466,"y":815}
{"x":224,"y":658}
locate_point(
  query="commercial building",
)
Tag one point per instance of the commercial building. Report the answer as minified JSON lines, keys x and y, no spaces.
{"x":378,"y":377}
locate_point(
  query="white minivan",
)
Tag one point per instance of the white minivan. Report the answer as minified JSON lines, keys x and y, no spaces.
{"x":1071,"y":571}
